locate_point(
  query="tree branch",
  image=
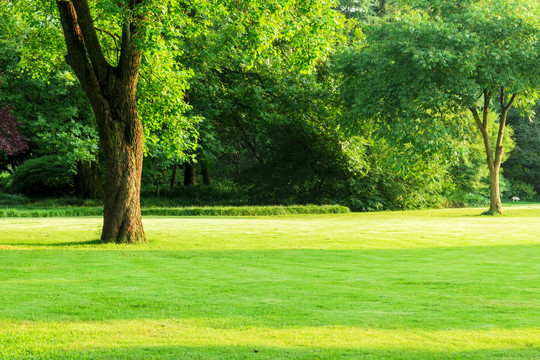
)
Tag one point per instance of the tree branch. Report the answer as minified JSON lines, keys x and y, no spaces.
{"x":76,"y":56}
{"x":499,"y":150}
{"x":114,"y":37}
{"x":485,"y":137}
{"x":476,"y":117}
{"x":91,"y":40}
{"x":501,"y":99}
{"x":511,"y":102}
{"x":485,"y":113}
{"x":130,"y":57}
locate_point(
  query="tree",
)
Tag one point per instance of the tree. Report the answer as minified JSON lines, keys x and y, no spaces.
{"x":446,"y":59}
{"x":12,"y":142}
{"x":110,"y":43}
{"x":105,"y":43}
{"x":111,"y":91}
{"x":232,"y":60}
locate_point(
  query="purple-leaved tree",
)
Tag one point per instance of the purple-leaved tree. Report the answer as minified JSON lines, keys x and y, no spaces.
{"x":12,"y":142}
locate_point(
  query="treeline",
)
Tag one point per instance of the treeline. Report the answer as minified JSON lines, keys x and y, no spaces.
{"x":368,"y":104}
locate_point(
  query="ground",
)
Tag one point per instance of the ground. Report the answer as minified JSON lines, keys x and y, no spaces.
{"x":438,"y":284}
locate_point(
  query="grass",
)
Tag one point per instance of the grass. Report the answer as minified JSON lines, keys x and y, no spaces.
{"x":433,"y":284}
{"x":75,"y":211}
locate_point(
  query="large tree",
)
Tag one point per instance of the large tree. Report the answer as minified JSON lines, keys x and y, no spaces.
{"x":446,"y":58}
{"x":111,"y":91}
{"x":110,"y":44}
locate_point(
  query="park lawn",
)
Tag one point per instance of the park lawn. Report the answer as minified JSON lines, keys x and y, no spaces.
{"x":433,"y":284}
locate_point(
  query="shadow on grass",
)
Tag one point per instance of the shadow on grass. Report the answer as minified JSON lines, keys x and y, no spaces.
{"x":56,"y":244}
{"x":273,"y":353}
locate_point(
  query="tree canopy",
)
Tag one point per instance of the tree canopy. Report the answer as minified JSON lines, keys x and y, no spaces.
{"x":428,"y":63}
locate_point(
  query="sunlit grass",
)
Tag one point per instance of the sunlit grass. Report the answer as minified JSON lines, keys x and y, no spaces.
{"x":438,"y":284}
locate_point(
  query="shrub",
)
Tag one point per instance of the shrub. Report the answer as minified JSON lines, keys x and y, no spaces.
{"x":5,"y":181}
{"x":28,"y":211}
{"x":523,"y":190}
{"x":13,"y":199}
{"x":47,"y":175}
{"x":465,"y":199}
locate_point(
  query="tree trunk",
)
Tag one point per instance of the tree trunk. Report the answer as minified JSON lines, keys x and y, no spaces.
{"x":88,"y":180}
{"x":123,"y":152}
{"x":111,"y":92}
{"x":205,"y":170}
{"x":495,"y":204}
{"x":173,"y":177}
{"x":493,"y":160}
{"x":189,"y":174}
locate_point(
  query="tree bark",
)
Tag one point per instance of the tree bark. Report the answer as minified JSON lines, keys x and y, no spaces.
{"x":111,"y":92}
{"x":495,"y":204}
{"x":173,"y":177}
{"x":190,"y":174}
{"x":205,"y":170}
{"x":123,"y":153}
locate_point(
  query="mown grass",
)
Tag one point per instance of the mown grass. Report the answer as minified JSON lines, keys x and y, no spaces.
{"x":437,"y":284}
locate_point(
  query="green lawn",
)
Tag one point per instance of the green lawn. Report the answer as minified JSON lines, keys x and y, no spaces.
{"x":437,"y":284}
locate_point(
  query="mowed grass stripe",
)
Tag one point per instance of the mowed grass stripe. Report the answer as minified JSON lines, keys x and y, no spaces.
{"x":429,"y":288}
{"x":387,"y":230}
{"x":54,"y":336}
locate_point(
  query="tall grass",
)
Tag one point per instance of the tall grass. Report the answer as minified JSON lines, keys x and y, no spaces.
{"x":179,"y":211}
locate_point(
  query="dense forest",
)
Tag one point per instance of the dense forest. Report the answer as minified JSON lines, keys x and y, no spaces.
{"x":369,"y":104}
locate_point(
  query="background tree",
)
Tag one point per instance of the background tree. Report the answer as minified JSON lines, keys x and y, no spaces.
{"x":522,"y":168}
{"x":419,"y":68}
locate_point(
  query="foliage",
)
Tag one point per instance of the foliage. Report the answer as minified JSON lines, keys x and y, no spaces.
{"x":55,"y":115}
{"x":523,"y":164}
{"x":46,"y":175}
{"x":11,"y":140}
{"x":522,"y":190}
{"x":222,"y":193}
{"x":416,"y":75}
{"x":363,"y":10}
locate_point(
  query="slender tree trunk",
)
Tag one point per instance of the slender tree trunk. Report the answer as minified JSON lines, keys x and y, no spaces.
{"x":189,"y":174}
{"x":205,"y":170}
{"x":173,"y":176}
{"x":493,"y":160}
{"x":495,"y":204}
{"x":111,"y":92}
{"x":88,"y":180}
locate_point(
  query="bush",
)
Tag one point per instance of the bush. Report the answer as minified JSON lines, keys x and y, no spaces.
{"x":13,"y":199}
{"x":47,"y":175}
{"x":5,"y":182}
{"x":179,"y":211}
{"x":465,"y":199}
{"x":523,"y":190}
